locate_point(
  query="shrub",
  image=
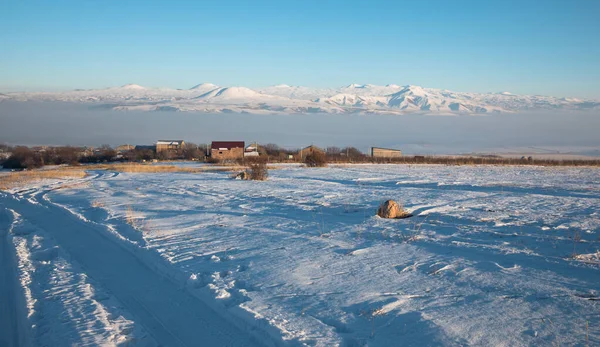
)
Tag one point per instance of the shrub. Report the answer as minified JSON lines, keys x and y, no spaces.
{"x":103,"y":154}
{"x":275,"y":153}
{"x":59,"y":155}
{"x":316,"y":159}
{"x":212,"y":160}
{"x":23,"y":158}
{"x":140,"y":154}
{"x":259,"y":171}
{"x":257,"y":168}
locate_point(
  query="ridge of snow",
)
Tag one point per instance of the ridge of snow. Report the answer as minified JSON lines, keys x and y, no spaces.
{"x":355,"y":85}
{"x":132,"y":86}
{"x":236,"y":92}
{"x":204,"y":86}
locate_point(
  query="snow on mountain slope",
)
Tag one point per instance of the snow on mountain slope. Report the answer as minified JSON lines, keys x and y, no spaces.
{"x":248,"y":99}
{"x":204,"y":87}
{"x":411,"y":97}
{"x":370,"y":89}
{"x":355,"y":100}
{"x":297,"y":92}
{"x":285,"y":99}
{"x":132,"y":87}
{"x":237,"y":93}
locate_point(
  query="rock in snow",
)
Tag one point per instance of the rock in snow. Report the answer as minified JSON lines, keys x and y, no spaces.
{"x":391,"y":209}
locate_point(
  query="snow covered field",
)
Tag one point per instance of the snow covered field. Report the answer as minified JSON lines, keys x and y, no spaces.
{"x":494,"y":256}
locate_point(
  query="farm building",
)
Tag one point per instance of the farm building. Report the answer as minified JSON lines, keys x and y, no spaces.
{"x":251,"y":151}
{"x":169,"y":145}
{"x":377,"y":152}
{"x":224,"y":150}
{"x":309,"y":150}
{"x":124,"y":148}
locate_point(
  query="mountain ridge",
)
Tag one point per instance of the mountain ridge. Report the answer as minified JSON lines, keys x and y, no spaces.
{"x":286,"y":99}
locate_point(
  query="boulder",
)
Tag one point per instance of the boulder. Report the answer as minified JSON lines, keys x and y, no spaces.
{"x":391,"y":209}
{"x":242,"y":176}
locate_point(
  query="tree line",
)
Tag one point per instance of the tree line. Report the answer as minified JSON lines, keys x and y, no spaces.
{"x":23,"y":157}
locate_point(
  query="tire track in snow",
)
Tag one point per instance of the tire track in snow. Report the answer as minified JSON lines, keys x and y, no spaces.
{"x":14,"y":331}
{"x":171,"y":315}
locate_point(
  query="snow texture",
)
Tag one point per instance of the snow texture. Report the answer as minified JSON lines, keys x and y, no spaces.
{"x":495,"y":256}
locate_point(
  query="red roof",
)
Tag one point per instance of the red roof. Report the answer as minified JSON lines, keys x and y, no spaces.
{"x":227,"y":144}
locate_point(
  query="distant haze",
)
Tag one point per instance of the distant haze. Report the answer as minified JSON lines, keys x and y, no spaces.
{"x":56,"y":123}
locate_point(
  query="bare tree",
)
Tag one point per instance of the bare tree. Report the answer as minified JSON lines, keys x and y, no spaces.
{"x":316,"y":159}
{"x":23,"y":158}
{"x":191,"y":151}
{"x":352,"y":152}
{"x":333,"y":150}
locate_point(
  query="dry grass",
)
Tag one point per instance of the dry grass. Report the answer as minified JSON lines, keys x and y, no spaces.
{"x":137,"y":221}
{"x":19,"y":178}
{"x":143,"y":168}
{"x":148,"y":168}
{"x":130,"y":217}
{"x":97,"y":204}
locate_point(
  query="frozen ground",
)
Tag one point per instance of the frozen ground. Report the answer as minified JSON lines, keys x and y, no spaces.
{"x":494,"y":256}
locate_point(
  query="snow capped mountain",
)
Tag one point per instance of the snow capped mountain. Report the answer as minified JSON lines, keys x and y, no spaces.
{"x":286,"y":99}
{"x":236,"y":93}
{"x":410,"y":98}
{"x":233,"y":95}
{"x":204,"y":87}
{"x":131,"y":87}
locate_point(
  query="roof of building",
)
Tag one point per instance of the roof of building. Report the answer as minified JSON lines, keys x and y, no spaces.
{"x":227,"y":144}
{"x":125,"y":146}
{"x":169,"y":142}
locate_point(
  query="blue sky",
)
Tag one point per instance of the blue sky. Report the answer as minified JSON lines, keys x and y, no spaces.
{"x":545,"y":47}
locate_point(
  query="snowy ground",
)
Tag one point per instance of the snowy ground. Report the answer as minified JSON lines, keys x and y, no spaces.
{"x":494,"y":256}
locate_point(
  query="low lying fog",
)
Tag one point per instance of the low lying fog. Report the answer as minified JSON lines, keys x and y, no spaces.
{"x":37,"y":123}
